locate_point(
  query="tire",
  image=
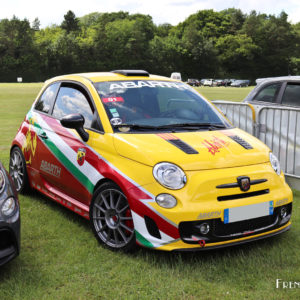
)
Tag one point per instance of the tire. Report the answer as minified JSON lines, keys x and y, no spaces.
{"x":18,"y":171}
{"x":111,"y":219}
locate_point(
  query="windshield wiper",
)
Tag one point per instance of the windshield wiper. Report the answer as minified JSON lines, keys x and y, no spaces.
{"x":209,"y":126}
{"x":190,"y":126}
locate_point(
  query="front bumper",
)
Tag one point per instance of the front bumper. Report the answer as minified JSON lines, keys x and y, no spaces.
{"x":238,"y":242}
{"x":220,"y":232}
{"x":9,"y":227}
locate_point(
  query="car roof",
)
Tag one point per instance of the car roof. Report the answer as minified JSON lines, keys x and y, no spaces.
{"x":111,"y":76}
{"x":280,"y":78}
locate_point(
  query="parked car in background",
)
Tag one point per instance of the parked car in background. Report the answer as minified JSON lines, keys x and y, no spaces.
{"x":208,"y":82}
{"x":193,"y":82}
{"x":227,"y":82}
{"x":9,"y":215}
{"x":202,"y":81}
{"x":278,"y":91}
{"x":219,"y":82}
{"x":176,"y":76}
{"x":240,"y":83}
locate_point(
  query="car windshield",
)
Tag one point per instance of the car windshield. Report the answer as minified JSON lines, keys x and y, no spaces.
{"x":157,"y":105}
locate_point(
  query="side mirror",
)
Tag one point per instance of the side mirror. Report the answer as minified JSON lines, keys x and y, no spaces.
{"x":75,"y":121}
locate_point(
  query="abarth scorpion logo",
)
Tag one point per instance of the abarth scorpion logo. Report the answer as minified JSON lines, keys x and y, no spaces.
{"x":81,"y":156}
{"x":244,"y":183}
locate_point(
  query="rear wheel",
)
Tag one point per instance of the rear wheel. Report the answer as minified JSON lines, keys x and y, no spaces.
{"x":17,"y":170}
{"x":111,"y":218}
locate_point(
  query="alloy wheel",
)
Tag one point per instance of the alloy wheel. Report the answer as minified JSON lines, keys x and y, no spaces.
{"x":17,"y":169}
{"x":111,"y":218}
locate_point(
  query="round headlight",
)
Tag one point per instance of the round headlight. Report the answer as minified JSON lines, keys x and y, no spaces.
{"x":8,"y":206}
{"x":169,"y":175}
{"x":2,"y":181}
{"x":275,"y":163}
{"x":166,"y":201}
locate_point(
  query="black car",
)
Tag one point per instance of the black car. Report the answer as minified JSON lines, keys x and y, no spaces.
{"x":193,"y":82}
{"x":9,"y":218}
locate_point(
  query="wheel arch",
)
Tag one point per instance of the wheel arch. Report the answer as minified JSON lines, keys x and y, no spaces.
{"x":116,"y":181}
{"x":14,"y":145}
{"x":102,"y":181}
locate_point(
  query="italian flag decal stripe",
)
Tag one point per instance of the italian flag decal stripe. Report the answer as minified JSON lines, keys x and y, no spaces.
{"x":64,"y":145}
{"x":142,"y":240}
{"x":55,"y":143}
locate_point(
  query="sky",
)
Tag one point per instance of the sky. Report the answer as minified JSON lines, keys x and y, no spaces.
{"x":162,"y":11}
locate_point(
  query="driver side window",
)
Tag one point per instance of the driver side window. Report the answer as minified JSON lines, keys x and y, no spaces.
{"x":72,"y":100}
{"x":268,"y":94}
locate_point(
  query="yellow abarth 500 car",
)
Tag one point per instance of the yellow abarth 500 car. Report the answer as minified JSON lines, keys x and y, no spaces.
{"x":149,"y":161}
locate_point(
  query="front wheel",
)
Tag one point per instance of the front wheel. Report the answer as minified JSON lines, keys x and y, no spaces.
{"x":111,"y":219}
{"x":17,"y":170}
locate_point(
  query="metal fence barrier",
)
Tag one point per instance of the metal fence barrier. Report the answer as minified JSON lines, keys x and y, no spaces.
{"x":241,"y":115}
{"x":278,"y":128}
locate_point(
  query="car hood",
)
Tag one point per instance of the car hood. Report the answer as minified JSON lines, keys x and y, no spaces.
{"x":200,"y":150}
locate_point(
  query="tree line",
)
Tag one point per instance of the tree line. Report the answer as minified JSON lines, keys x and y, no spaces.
{"x":225,"y":44}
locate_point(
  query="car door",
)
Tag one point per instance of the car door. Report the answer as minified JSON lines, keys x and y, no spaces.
{"x":34,"y":148}
{"x":67,"y":163}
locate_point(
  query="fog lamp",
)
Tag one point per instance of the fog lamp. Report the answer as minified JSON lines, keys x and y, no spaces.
{"x":204,"y":228}
{"x":283,"y":212}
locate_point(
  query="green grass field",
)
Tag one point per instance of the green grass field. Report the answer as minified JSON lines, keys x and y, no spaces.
{"x":225,"y":93}
{"x":61,"y":259}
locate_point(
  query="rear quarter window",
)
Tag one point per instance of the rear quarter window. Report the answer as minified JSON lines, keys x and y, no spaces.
{"x":291,"y":94}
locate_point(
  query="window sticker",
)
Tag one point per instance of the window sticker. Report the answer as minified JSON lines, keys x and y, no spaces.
{"x":115,"y":121}
{"x":112,"y":99}
{"x":114,"y":112}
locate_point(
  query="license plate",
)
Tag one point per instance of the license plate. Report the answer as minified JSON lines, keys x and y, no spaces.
{"x":247,"y":212}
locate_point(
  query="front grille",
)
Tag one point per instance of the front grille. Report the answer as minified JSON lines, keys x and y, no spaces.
{"x":190,"y":231}
{"x":6,"y":239}
{"x":244,"y":195}
{"x":8,"y":246}
{"x":236,"y":184}
{"x":242,"y":227}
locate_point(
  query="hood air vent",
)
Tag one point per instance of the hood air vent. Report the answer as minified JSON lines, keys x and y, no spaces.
{"x":240,"y":141}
